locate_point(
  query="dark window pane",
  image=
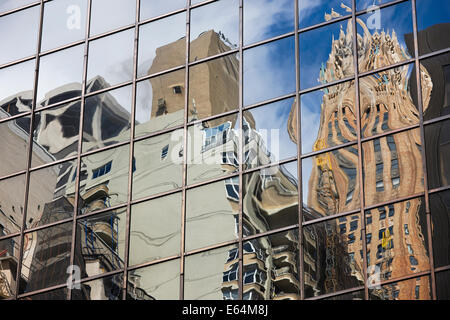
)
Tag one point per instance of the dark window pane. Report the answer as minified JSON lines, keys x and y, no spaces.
{"x":443,"y":285}
{"x":437,"y":138}
{"x":440,"y":216}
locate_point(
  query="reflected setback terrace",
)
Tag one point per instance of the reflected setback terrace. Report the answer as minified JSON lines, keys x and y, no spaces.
{"x":224,"y":149}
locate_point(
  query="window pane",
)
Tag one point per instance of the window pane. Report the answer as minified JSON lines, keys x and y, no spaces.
{"x":155,"y":170}
{"x":332,"y":57}
{"x":270,"y":133}
{"x":12,"y":193}
{"x":123,"y":11}
{"x":399,"y":246}
{"x":382,"y":37}
{"x":443,"y":285}
{"x":208,"y":275}
{"x":331,"y":113}
{"x":267,"y":19}
{"x":440,"y":217}
{"x":16,"y":88}
{"x":155,"y":229}
{"x":413,"y":289}
{"x":46,"y":258}
{"x":213,"y":87}
{"x":331,"y":183}
{"x":358,"y":295}
{"x":209,"y":35}
{"x":7,"y":5}
{"x":9,"y":255}
{"x":110,"y":60}
{"x":151,"y":9}
{"x":314,"y":12}
{"x":269,"y":71}
{"x":107,"y":118}
{"x":160,"y":102}
{"x":23,"y":25}
{"x":50,"y":196}
{"x":399,"y":171}
{"x":156,"y":282}
{"x":213,"y":149}
{"x":212,"y":214}
{"x":162,"y":44}
{"x":100,"y":188}
{"x":14,"y":144}
{"x":332,"y":260}
{"x":437,"y":138}
{"x":270,"y":198}
{"x":109,"y":288}
{"x":64,"y":22}
{"x":271,"y":267}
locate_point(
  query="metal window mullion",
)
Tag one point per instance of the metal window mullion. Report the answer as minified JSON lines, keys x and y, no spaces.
{"x":241,"y":152}
{"x":360,"y":149}
{"x":299,"y":152}
{"x":80,"y":140}
{"x":423,"y":151}
{"x":29,"y":153}
{"x":185,"y":150}
{"x":131,"y":162}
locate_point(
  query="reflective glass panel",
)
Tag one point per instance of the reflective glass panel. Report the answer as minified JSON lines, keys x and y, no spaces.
{"x":270,"y":133}
{"x":7,"y":5}
{"x":46,"y":256}
{"x":413,"y":289}
{"x":269,"y":71}
{"x":331,"y":113}
{"x":160,"y":102}
{"x":270,"y":198}
{"x":318,"y":11}
{"x":162,"y":45}
{"x":443,"y":285}
{"x":16,"y":88}
{"x":14,"y":144}
{"x":9,"y":255}
{"x":103,"y":179}
{"x":123,"y":11}
{"x":155,"y":229}
{"x":58,"y":294}
{"x":56,"y":133}
{"x":433,"y":24}
{"x":266,"y":19}
{"x":331,"y":183}
{"x":440,"y":228}
{"x":212,"y":213}
{"x":435,"y":83}
{"x":381,"y":37}
{"x":358,"y":295}
{"x":151,"y":9}
{"x":332,"y":57}
{"x":332,"y":257}
{"x":369,"y":5}
{"x":107,"y":118}
{"x":387,"y":102}
{"x":213,"y":87}
{"x":109,"y":288}
{"x":396,"y":240}
{"x":437,"y":138}
{"x":23,"y":25}
{"x":213,"y":149}
{"x":157,"y":164}
{"x":156,"y":282}
{"x":12,"y":193}
{"x":214,"y":29}
{"x":64,"y":22}
{"x":212,"y":275}
{"x":392,"y":167}
{"x":270,"y":268}
{"x":100,"y":243}
{"x":50,"y":197}
{"x":60,"y":76}
{"x":110,"y":60}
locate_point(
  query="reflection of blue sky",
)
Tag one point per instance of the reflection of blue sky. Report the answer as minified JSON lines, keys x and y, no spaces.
{"x":154,"y":8}
{"x":157,"y":34}
{"x":107,"y":15}
{"x":315,"y":48}
{"x":269,"y":71}
{"x":312,"y":12}
{"x":268,"y":19}
{"x":365,"y":4}
{"x":431,"y":12}
{"x":310,"y":118}
{"x":275,"y":116}
{"x":397,"y":17}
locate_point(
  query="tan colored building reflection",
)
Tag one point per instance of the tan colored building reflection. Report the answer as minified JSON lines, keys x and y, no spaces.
{"x":392,"y":165}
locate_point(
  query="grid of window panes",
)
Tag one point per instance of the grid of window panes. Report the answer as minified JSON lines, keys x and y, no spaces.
{"x":226,"y":149}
